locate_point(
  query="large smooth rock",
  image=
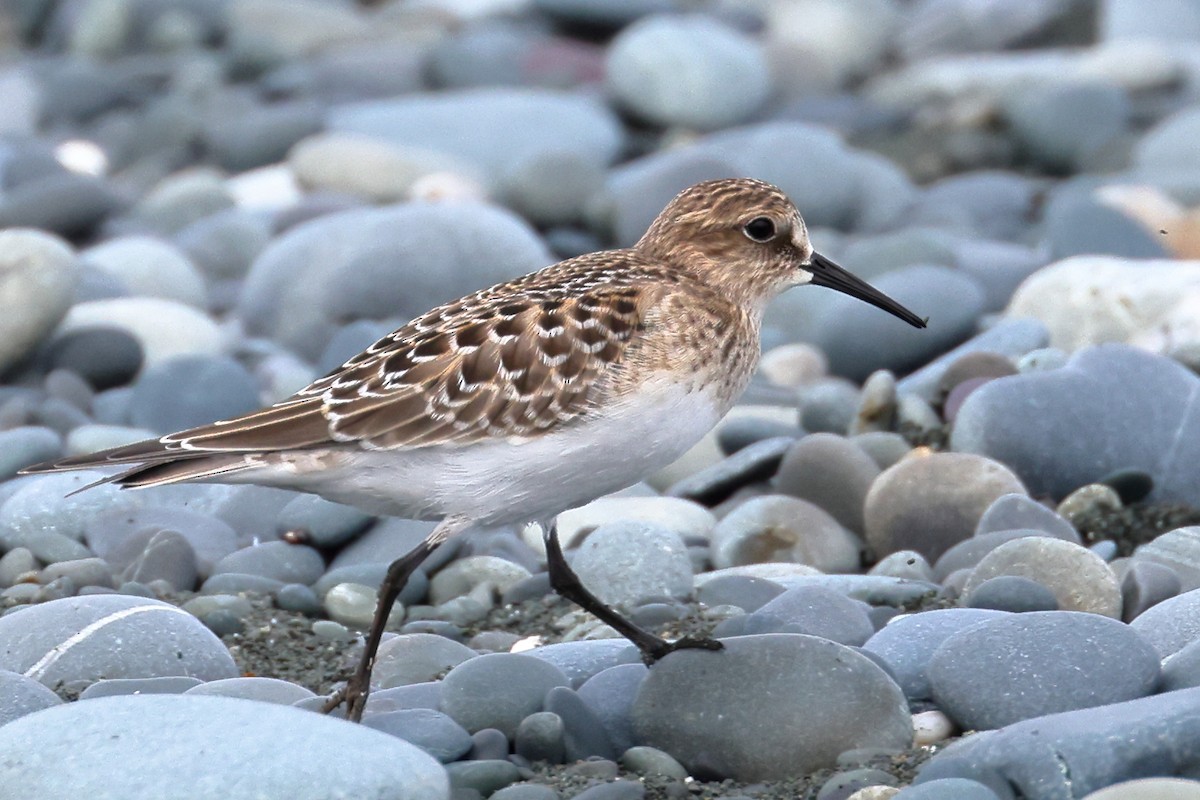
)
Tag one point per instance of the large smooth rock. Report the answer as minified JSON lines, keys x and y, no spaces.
{"x":907,"y":643}
{"x":521,"y":123}
{"x":379,"y":263}
{"x":1088,"y":300}
{"x":178,"y":747}
{"x":769,"y":707}
{"x":692,"y":72}
{"x":1067,"y":755}
{"x":1027,"y":665}
{"x":76,"y":641}
{"x":1045,"y":425}
{"x":930,"y":503}
{"x":37,"y":278}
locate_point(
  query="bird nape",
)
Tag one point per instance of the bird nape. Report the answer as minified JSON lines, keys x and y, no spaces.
{"x":520,"y":401}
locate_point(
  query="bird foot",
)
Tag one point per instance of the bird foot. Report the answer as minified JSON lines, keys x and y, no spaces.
{"x":354,"y":698}
{"x":653,"y":654}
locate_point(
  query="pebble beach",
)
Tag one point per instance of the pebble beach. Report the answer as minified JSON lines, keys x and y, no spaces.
{"x":958,"y":563}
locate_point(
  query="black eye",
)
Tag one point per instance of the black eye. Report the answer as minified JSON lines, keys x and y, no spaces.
{"x":760,"y":229}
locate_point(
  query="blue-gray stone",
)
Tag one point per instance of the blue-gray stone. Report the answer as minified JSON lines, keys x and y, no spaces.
{"x":448,"y":121}
{"x":1144,"y":585}
{"x":326,"y":524}
{"x":187,"y":391}
{"x":908,"y":643}
{"x":610,"y":695}
{"x":746,"y":592}
{"x":583,"y":659}
{"x":121,"y":535}
{"x":280,"y":561}
{"x":483,"y":777}
{"x":540,"y":738}
{"x":1011,"y":593}
{"x":1015,"y":511}
{"x":859,"y":339}
{"x":1010,"y":337}
{"x":25,"y":445}
{"x":1042,"y":424}
{"x":430,"y":730}
{"x":378,"y":263}
{"x":584,"y":735}
{"x":114,"y":687}
{"x":498,"y":690}
{"x":1020,"y":666}
{"x":813,"y":610}
{"x":1068,"y":755}
{"x":1077,"y":225}
{"x":1172,"y":624}
{"x":706,"y":709}
{"x":20,"y":695}
{"x":947,"y":789}
{"x":155,"y":639}
{"x":264,"y":690}
{"x":191,"y":747}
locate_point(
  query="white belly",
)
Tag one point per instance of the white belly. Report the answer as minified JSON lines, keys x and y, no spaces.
{"x":504,"y":481}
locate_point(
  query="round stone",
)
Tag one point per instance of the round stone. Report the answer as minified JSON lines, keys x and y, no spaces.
{"x":432,"y":731}
{"x":1079,"y":579}
{"x":74,"y":642}
{"x":777,"y":528}
{"x":280,"y":561}
{"x":908,"y":642}
{"x":163,"y":329}
{"x":812,"y":610}
{"x":264,"y":690}
{"x":830,"y":471}
{"x":931,"y":503}
{"x":416,"y":658}
{"x":692,"y":72}
{"x":609,"y":695}
{"x":1011,"y":593}
{"x":21,"y":695}
{"x":215,"y":746}
{"x":37,"y":277}
{"x":192,"y":390}
{"x":818,"y":698}
{"x":25,"y":445}
{"x":149,"y":267}
{"x":1030,"y":665}
{"x":498,"y":690}
{"x":104,"y":357}
{"x":1180,"y":551}
{"x":1172,"y":624}
{"x":623,"y":563}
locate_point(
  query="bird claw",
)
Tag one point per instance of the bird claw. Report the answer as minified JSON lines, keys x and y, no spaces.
{"x":685,"y":643}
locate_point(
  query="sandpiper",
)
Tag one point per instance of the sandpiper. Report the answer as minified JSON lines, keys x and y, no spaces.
{"x":520,"y":401}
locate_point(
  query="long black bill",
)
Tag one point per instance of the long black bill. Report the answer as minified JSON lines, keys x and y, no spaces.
{"x":827,"y":273}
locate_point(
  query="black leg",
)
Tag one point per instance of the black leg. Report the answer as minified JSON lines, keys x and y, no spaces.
{"x":564,"y":581}
{"x":354,"y":695}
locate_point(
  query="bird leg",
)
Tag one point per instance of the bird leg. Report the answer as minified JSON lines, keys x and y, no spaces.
{"x":564,"y":581}
{"x":354,"y":693}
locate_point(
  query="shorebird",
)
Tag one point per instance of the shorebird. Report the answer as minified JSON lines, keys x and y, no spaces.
{"x":520,"y":401}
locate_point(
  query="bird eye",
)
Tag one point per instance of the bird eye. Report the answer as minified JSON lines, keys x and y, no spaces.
{"x":760,"y":229}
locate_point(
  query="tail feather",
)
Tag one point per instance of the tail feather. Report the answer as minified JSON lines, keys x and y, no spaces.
{"x":164,"y":473}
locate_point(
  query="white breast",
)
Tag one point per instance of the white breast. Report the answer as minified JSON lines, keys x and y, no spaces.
{"x":532,"y":479}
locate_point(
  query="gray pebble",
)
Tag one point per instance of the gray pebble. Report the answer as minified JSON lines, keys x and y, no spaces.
{"x":749,"y":465}
{"x":1029,"y":665}
{"x":187,"y":391}
{"x":238,"y":582}
{"x":488,"y":744}
{"x":167,"y":555}
{"x":1013,"y":511}
{"x":1146,"y":584}
{"x":617,"y":790}
{"x":1172,"y":624}
{"x":540,"y":737}
{"x":16,"y":564}
{"x":498,"y":690}
{"x":650,"y":761}
{"x":584,"y":736}
{"x":264,"y":690}
{"x":908,"y":643}
{"x":20,"y":695}
{"x":156,"y":639}
{"x":186,"y":740}
{"x":719,"y":734}
{"x":1079,"y":579}
{"x":624,"y":562}
{"x":325,"y":523}
{"x":781,"y":528}
{"x":1011,"y":593}
{"x":830,"y":471}
{"x":26,"y":445}
{"x":1180,"y":551}
{"x":278,"y":561}
{"x":580,"y":660}
{"x":298,"y":597}
{"x":167,"y":684}
{"x":610,"y":695}
{"x":746,"y":592}
{"x":430,"y":730}
{"x":948,"y":789}
{"x":483,"y":776}
{"x":930,"y":504}
{"x":526,"y":791}
{"x":812,"y":610}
